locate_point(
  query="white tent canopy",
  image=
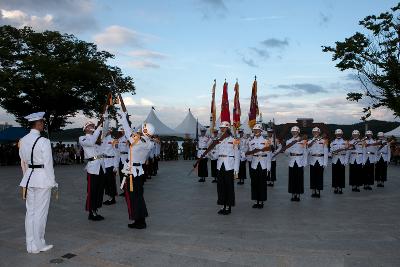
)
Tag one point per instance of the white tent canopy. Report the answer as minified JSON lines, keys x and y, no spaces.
{"x":187,"y":128}
{"x":395,"y":132}
{"x":161,"y":128}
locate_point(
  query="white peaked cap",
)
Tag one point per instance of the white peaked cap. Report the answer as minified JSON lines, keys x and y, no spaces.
{"x":35,"y":116}
{"x":87,"y":124}
{"x":338,"y":131}
{"x":257,"y":127}
{"x":295,"y":129}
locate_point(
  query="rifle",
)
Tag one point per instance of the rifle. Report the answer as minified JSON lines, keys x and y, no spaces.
{"x":124,"y":109}
{"x":313,"y":141}
{"x":209,"y":148}
{"x":289,"y":145}
{"x":264,"y":149}
{"x":109,"y":97}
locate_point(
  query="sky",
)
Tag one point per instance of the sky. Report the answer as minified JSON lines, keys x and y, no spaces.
{"x":175,"y":49}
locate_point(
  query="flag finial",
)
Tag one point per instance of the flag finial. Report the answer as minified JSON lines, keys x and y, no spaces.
{"x":215,"y":80}
{"x":237,"y":80}
{"x":255,"y":77}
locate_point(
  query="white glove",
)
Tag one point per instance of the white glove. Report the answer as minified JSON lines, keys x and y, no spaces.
{"x":235,"y":174}
{"x":55,"y":185}
{"x":115,"y":170}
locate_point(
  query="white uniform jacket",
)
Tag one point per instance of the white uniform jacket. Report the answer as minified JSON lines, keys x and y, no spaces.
{"x":384,"y":152}
{"x":228,"y":154}
{"x":204,"y":142}
{"x":318,"y":152}
{"x":90,"y":149}
{"x":337,"y":144}
{"x":356,"y":153}
{"x":370,"y":151}
{"x":297,"y":152}
{"x":42,"y":155}
{"x":110,"y":153}
{"x":264,"y":158}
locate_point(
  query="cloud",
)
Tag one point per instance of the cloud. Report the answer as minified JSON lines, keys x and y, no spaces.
{"x":118,"y":36}
{"x":212,"y":8}
{"x":20,"y":19}
{"x":143,"y":64}
{"x":72,"y":16}
{"x":260,"y":52}
{"x":250,"y":62}
{"x":308,"y":88}
{"x":147,"y":54}
{"x":275,"y":43}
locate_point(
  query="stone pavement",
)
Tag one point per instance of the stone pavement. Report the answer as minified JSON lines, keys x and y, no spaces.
{"x":184,"y":229}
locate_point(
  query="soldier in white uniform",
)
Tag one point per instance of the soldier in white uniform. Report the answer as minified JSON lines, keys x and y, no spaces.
{"x":122,"y":148}
{"x":355,"y":154}
{"x":38,"y":179}
{"x":276,"y":147}
{"x":318,"y":159}
{"x":370,"y":151}
{"x":139,"y":149}
{"x":297,"y":153}
{"x":260,"y":165}
{"x":382,"y":160}
{"x":111,"y":159}
{"x":228,"y":168}
{"x":204,"y":142}
{"x":244,"y":147}
{"x":214,"y":158}
{"x":339,"y":161}
{"x":95,"y":169}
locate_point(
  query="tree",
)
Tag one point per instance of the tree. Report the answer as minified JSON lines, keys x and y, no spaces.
{"x":56,"y":73}
{"x":375,"y":57}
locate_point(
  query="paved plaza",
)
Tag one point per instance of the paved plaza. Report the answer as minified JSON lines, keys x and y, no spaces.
{"x":184,"y":229}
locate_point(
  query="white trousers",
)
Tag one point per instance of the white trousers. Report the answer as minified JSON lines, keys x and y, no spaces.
{"x":37,"y":208}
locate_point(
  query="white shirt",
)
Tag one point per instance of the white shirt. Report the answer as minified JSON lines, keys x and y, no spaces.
{"x":318,"y":152}
{"x":384,"y":152}
{"x":108,"y":149}
{"x":370,"y":151}
{"x":337,"y":144}
{"x":123,"y":148}
{"x":264,"y":158}
{"x":204,"y":142}
{"x":356,"y":154}
{"x":90,"y":149}
{"x":228,"y":154}
{"x":42,"y":155}
{"x":299,"y":148}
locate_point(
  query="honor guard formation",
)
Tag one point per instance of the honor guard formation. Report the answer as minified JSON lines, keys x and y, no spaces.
{"x":133,"y":155}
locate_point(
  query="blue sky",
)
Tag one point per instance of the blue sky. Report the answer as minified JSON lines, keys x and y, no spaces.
{"x":175,"y":49}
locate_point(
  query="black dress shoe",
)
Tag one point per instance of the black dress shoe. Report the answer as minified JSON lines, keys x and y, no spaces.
{"x":272,"y":184}
{"x":314,"y":195}
{"x":222,"y":211}
{"x":214,"y":181}
{"x":255,"y":206}
{"x":228,"y":211}
{"x":99,"y":217}
{"x":340,"y":192}
{"x":297,"y":199}
{"x":136,"y":225}
{"x":109,"y":202}
{"x":92,"y":217}
{"x":293,"y":199}
{"x":318,"y":195}
{"x":369,"y":188}
{"x":122,"y":194}
{"x":260,"y":206}
{"x":201,"y":180}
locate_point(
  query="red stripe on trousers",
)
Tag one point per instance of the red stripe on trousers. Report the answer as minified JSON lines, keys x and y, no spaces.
{"x":88,"y":206}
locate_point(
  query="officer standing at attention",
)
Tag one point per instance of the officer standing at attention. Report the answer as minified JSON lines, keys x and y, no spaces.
{"x":204,"y":142}
{"x":38,"y":179}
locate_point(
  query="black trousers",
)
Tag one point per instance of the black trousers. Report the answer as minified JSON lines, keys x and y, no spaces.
{"x":338,"y":175}
{"x":242,"y":170}
{"x":259,"y":184}
{"x":155,"y":166}
{"x":225,"y":187}
{"x":296,"y":179}
{"x":95,"y":191}
{"x":369,"y":171}
{"x":110,"y":186}
{"x":121,"y":174}
{"x":381,"y":170}
{"x":355,"y":174}
{"x":214,"y":170}
{"x":271,"y":177}
{"x":203,"y":168}
{"x":137,"y":209}
{"x":316,"y":176}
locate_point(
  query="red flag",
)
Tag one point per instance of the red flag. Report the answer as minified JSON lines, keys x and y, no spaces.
{"x":253,"y":105}
{"x":225,"y":114}
{"x":236,"y":108}
{"x":213,"y":113}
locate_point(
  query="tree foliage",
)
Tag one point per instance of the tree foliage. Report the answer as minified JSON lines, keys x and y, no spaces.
{"x":56,"y":73}
{"x":375,"y":57}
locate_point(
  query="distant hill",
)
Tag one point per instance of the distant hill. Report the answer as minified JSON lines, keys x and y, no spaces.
{"x":72,"y":135}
